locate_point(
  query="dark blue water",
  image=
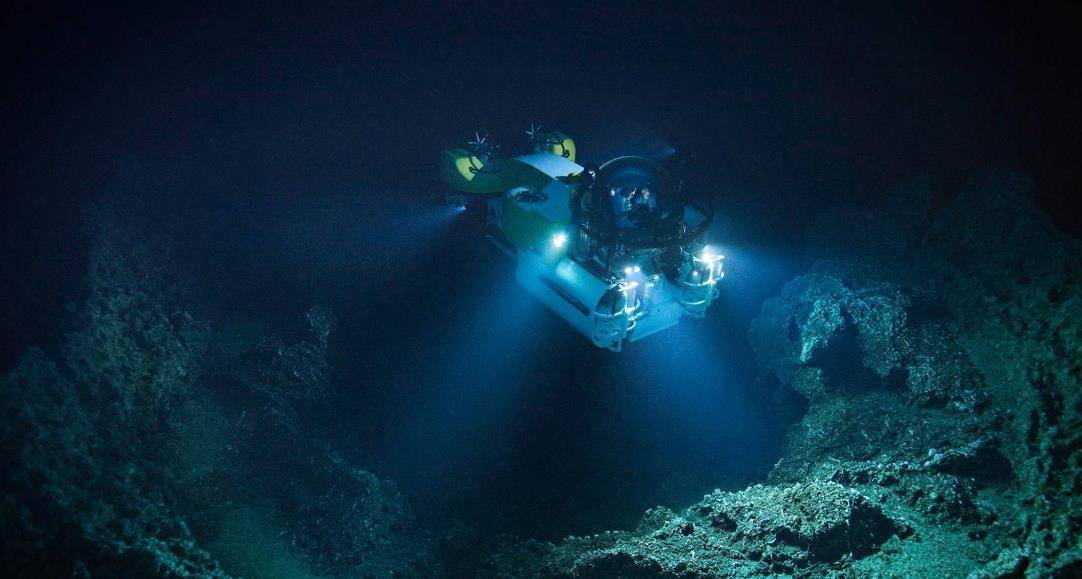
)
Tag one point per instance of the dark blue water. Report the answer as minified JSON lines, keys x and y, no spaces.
{"x":290,"y":156}
{"x":476,"y":400}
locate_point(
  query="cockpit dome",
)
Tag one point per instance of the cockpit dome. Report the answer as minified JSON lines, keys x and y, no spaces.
{"x":633,"y":171}
{"x":640,"y":191}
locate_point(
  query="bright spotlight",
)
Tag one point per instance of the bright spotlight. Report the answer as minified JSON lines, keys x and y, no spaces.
{"x":559,"y":240}
{"x":637,"y":269}
{"x":628,"y":270}
{"x":708,"y":256}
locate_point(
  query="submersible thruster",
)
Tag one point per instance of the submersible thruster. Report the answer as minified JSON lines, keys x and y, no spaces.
{"x":617,"y":250}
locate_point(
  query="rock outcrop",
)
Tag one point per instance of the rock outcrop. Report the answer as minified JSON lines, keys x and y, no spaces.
{"x":940,"y":355}
{"x":156,"y":445}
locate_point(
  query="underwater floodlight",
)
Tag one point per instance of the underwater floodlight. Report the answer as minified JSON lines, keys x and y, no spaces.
{"x":637,"y":269}
{"x":559,"y":240}
{"x":628,"y":270}
{"x":708,"y":256}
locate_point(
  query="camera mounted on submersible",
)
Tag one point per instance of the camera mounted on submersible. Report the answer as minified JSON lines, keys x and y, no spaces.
{"x":618,"y":250}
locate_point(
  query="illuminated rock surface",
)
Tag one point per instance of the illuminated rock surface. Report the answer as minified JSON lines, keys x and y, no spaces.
{"x":940,"y":355}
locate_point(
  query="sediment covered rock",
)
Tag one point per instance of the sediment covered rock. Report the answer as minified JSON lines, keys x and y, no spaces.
{"x":123,"y":458}
{"x":763,"y":530}
{"x":940,"y":354}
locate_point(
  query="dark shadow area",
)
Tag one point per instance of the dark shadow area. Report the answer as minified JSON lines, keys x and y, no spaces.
{"x":843,"y":363}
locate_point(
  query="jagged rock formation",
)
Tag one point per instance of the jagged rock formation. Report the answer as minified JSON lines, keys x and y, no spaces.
{"x":155,"y":446}
{"x":939,"y":355}
{"x":762,"y":530}
{"x":86,"y":486}
{"x":941,"y":359}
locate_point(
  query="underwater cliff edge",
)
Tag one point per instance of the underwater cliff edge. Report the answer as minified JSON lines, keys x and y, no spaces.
{"x":936,"y":356}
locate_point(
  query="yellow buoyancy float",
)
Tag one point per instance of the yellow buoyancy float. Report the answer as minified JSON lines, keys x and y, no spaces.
{"x":466,"y":173}
{"x":556,"y":143}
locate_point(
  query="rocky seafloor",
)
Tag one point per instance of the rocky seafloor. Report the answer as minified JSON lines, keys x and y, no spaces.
{"x":155,"y":444}
{"x":935,"y":353}
{"x":939,"y":354}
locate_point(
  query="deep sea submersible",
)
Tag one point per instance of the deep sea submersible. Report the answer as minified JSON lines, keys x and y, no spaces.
{"x":617,"y":250}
